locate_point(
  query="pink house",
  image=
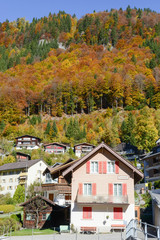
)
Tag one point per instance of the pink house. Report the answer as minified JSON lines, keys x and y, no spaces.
{"x":102,"y":190}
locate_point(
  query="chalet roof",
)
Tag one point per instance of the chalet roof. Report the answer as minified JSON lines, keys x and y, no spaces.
{"x":88,"y":144}
{"x":158,"y":141}
{"x":23,"y":154}
{"x":28,"y":136}
{"x":41,"y":197}
{"x":19,"y":165}
{"x":55,"y":143}
{"x":138,"y":174}
{"x":56,"y":171}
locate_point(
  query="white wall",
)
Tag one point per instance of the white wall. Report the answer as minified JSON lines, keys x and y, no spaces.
{"x":99,"y":216}
{"x":9,"y":183}
{"x":35,"y":173}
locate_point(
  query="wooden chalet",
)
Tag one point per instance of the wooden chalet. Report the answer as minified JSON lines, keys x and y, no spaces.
{"x":40,"y":212}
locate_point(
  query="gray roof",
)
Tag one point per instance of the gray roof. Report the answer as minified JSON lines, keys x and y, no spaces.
{"x":19,"y":165}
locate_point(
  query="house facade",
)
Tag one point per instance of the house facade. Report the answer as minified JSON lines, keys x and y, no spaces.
{"x":56,"y":188}
{"x":82,"y":149}
{"x":43,"y":213}
{"x":102,"y":190}
{"x":23,"y":173}
{"x":56,"y":148}
{"x":28,"y":142}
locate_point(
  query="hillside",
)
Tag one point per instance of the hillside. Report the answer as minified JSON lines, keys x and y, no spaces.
{"x":107,"y":60}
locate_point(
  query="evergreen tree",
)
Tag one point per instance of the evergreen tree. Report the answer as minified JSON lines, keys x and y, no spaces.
{"x":48,"y":128}
{"x":54,"y":129}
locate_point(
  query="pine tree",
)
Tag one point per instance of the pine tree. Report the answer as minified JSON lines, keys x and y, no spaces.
{"x":48,"y":128}
{"x":54,"y":129}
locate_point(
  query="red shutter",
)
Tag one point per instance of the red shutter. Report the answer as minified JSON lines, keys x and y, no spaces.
{"x":118,"y":213}
{"x":105,"y":167}
{"x":87,"y":212}
{"x":110,"y":189}
{"x":80,"y":189}
{"x":124,"y":189}
{"x":117,"y":167}
{"x":100,"y":167}
{"x":88,"y":167}
{"x":94,"y":189}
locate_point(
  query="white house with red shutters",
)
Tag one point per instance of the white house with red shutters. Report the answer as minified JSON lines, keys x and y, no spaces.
{"x":56,"y":148}
{"x":102,"y":190}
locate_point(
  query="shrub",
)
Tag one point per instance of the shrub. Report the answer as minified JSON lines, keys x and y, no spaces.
{"x":7,"y":224}
{"x":17,"y":217}
{"x":7,"y":208}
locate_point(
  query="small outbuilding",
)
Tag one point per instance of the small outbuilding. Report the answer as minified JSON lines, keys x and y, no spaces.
{"x":40,"y":212}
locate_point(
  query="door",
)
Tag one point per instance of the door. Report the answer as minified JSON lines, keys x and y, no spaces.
{"x":51,"y":196}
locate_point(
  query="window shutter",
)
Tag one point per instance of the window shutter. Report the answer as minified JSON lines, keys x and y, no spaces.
{"x":124,"y":189}
{"x":87,"y":212}
{"x":110,"y":189}
{"x":100,"y":167}
{"x":118,"y":213}
{"x":88,"y":167}
{"x":80,"y":189}
{"x":94,"y":189}
{"x":104,"y":167}
{"x":117,"y":167}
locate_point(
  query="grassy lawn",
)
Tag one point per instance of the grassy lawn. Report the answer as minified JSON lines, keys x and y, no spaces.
{"x":25,"y":232}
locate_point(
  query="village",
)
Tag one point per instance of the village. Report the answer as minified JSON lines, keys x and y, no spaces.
{"x":100,"y":191}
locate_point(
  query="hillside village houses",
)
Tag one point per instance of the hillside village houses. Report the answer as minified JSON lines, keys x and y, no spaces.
{"x":77,"y":185}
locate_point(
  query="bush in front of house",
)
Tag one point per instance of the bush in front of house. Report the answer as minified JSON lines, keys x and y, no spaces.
{"x":8,"y":224}
{"x":7,"y":208}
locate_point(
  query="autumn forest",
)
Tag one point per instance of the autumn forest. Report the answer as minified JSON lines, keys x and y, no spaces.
{"x":91,"y":79}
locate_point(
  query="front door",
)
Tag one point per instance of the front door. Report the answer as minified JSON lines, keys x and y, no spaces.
{"x":51,"y":196}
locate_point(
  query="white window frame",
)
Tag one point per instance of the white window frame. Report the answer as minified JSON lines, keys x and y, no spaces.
{"x":117,"y":189}
{"x":111,"y":167}
{"x":93,"y":167}
{"x":87,"y":189}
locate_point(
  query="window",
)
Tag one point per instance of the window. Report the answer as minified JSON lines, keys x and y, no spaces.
{"x":11,"y":180}
{"x":46,"y":216}
{"x":118,"y":213}
{"x":3,"y":180}
{"x":94,"y":167}
{"x":136,"y":214}
{"x":87,"y":189}
{"x":9,"y":188}
{"x":87,"y":213}
{"x":117,"y":189}
{"x":111,"y":167}
{"x":30,"y":217}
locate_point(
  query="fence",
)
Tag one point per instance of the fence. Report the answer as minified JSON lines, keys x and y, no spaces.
{"x":142,"y":230}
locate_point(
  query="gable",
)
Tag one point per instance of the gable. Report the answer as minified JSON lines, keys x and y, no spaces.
{"x":110,"y":153}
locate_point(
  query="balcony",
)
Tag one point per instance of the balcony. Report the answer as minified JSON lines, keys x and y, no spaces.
{"x":102,"y":199}
{"x":23,"y":177}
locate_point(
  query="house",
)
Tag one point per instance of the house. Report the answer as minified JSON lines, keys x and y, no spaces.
{"x":155,"y":195}
{"x":57,"y":189}
{"x":82,"y":149}
{"x":56,"y":148}
{"x":23,"y":173}
{"x":28,"y":142}
{"x":127,"y":150}
{"x":152,"y":164}
{"x":40,"y":212}
{"x":102,"y":185}
{"x":22,"y":156}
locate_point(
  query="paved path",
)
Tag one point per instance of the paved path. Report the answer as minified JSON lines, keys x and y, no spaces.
{"x":67,"y":236}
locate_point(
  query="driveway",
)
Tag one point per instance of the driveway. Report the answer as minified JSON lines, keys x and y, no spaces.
{"x":68,"y":236}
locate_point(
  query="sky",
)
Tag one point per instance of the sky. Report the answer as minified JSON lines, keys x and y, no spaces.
{"x":13,"y":9}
